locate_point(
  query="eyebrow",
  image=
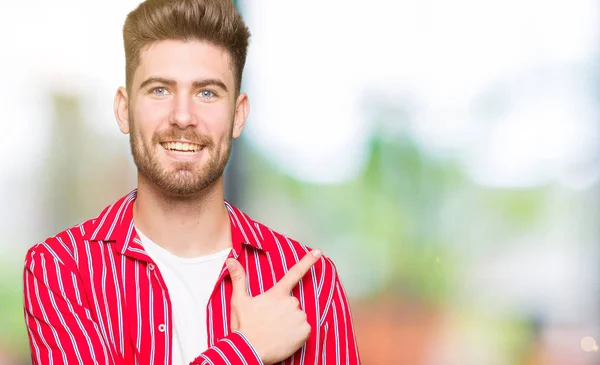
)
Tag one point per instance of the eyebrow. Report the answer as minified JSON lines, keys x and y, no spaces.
{"x":197,"y":84}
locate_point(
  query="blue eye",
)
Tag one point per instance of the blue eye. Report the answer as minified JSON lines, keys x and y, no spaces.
{"x":206,"y":94}
{"x":159,"y":91}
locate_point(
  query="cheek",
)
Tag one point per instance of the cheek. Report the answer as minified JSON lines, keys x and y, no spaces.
{"x":148,"y":117}
{"x":151,"y":112}
{"x":218,"y":120}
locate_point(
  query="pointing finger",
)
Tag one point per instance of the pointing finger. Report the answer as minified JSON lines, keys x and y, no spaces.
{"x":297,"y":272}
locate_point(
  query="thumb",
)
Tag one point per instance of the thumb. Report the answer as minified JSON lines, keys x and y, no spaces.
{"x":238,"y":278}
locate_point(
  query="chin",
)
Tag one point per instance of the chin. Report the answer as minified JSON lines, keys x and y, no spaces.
{"x":188,"y":188}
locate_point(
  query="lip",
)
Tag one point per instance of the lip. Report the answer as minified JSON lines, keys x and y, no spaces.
{"x":180,"y":141}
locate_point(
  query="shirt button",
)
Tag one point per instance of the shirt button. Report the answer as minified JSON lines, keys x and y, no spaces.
{"x":161,"y":327}
{"x":151,"y":266}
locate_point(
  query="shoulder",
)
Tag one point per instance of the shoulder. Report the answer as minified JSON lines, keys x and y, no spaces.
{"x":62,"y":249}
{"x":289,"y":251}
{"x":66,"y":247}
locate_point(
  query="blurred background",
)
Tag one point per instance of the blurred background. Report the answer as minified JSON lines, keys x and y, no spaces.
{"x":445,"y":154}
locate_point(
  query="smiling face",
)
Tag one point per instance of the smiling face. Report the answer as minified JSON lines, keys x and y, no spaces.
{"x":182,"y":114}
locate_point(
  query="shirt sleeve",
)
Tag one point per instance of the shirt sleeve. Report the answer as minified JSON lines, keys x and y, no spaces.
{"x":339,"y":345}
{"x":60,"y":327}
{"x":233,"y":349}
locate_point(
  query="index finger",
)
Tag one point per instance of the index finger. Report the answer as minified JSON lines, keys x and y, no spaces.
{"x":297,"y":272}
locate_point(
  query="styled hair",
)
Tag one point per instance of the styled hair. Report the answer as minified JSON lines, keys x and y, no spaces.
{"x":213,"y":21}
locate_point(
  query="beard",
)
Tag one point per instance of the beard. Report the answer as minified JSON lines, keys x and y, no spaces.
{"x":186,"y":178}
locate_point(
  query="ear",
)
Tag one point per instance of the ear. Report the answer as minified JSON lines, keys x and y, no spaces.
{"x":242,"y":108}
{"x":121,"y":107}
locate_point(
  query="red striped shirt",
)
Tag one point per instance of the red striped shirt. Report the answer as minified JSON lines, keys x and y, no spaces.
{"x":93,"y":294}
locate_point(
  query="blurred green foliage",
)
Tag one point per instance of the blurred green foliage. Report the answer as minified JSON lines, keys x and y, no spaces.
{"x":13,"y":334}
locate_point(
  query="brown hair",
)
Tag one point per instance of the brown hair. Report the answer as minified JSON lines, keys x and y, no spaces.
{"x":214,"y":21}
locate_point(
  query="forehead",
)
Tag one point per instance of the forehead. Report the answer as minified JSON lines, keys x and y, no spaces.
{"x":184,"y":62}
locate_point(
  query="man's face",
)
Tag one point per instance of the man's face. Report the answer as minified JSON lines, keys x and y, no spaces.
{"x":182,"y":115}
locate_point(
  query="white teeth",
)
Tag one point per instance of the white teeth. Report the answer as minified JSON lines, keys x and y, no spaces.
{"x":185,"y":153}
{"x":182,"y":147}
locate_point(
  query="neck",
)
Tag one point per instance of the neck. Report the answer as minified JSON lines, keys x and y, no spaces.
{"x":187,"y":226}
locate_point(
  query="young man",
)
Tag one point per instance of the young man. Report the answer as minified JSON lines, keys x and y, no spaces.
{"x":171,"y":273}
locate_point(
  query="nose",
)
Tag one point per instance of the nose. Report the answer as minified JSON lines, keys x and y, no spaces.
{"x":183,"y":113}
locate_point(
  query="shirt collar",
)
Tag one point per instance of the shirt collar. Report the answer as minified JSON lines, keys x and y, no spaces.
{"x":115,"y":226}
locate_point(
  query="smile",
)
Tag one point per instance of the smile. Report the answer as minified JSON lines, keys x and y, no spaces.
{"x":184,"y":148}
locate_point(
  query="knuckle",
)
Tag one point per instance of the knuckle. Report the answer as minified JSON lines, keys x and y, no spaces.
{"x":306,"y":329}
{"x":294,"y":301}
{"x":304,"y":316}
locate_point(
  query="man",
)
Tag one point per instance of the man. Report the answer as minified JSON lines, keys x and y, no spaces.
{"x":171,"y":273}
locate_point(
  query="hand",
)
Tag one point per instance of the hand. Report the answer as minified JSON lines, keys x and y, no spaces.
{"x":272,"y":322}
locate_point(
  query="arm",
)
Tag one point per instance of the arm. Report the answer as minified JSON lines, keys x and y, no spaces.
{"x":233,"y":349}
{"x":272,"y":322}
{"x":340,"y":341}
{"x":60,"y":327}
{"x":339,"y":344}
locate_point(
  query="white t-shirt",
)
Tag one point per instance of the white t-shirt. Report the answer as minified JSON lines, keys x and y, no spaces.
{"x":190,"y":282}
